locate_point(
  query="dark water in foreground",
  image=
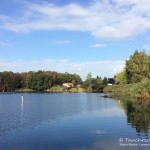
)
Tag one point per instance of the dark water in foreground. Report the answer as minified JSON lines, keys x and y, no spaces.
{"x":68,"y":121}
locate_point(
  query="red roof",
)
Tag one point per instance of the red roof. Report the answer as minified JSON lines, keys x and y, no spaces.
{"x":69,"y":84}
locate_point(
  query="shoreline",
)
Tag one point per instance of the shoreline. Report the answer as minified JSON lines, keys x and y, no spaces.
{"x":140,"y":90}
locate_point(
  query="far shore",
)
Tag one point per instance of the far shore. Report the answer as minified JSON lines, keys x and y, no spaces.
{"x":52,"y":90}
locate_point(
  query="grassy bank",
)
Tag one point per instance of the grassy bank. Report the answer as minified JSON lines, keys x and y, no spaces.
{"x":56,"y":89}
{"x":59,"y":89}
{"x":24,"y":90}
{"x":138,"y":90}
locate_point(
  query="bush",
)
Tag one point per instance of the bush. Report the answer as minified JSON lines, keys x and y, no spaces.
{"x":139,"y":90}
{"x":73,"y":90}
{"x":55,"y":89}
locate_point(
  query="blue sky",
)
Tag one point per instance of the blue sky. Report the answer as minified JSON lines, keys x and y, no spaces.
{"x":75,"y":36}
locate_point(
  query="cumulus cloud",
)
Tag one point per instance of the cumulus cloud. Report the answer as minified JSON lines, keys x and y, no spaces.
{"x":112,"y":19}
{"x":100,"y":68}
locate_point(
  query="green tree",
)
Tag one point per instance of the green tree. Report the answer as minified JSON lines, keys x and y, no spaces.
{"x":9,"y":81}
{"x":137,"y":67}
{"x":111,"y":80}
{"x":121,"y":77}
{"x":88,"y":82}
{"x":97,"y":84}
{"x":105,"y":81}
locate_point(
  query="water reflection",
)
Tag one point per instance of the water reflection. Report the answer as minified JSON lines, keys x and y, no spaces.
{"x":69,"y":121}
{"x":138,"y":114}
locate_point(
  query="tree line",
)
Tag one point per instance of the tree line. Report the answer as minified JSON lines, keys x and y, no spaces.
{"x":37,"y":81}
{"x":43,"y":80}
{"x":96,"y":84}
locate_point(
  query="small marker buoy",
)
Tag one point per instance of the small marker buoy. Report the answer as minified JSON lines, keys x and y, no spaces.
{"x":22,"y":98}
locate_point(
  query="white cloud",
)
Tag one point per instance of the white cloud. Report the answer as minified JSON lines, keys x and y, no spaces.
{"x":97,"y":45}
{"x":115,"y":19}
{"x":101,"y":68}
{"x":118,"y":68}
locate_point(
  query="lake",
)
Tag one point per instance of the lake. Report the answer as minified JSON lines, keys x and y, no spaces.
{"x":72,"y":121}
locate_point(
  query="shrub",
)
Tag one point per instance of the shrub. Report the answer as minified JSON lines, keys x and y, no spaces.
{"x":139,"y":90}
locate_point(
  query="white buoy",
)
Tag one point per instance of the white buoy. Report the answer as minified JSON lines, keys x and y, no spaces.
{"x":21,"y":117}
{"x":22,"y":98}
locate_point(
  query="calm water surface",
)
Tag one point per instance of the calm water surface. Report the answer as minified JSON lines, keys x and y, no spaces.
{"x":68,"y":121}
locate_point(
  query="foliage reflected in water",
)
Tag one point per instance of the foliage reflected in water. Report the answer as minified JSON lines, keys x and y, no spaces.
{"x":138,"y":115}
